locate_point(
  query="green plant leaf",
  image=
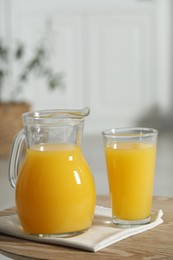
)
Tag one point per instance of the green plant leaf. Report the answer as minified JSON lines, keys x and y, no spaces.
{"x":19,"y":53}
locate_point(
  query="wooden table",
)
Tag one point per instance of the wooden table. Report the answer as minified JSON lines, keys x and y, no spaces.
{"x":156,"y":243}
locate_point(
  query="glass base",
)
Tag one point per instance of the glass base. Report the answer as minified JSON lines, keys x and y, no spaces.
{"x":61,"y":235}
{"x":130,"y":223}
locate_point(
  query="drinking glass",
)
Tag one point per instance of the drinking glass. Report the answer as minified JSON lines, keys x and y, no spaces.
{"x":130,"y":155}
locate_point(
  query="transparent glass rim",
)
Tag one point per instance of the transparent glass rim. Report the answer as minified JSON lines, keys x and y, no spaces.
{"x":130,"y":132}
{"x":55,"y":115}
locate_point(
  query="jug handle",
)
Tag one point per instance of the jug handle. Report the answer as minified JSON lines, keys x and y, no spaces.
{"x":15,"y":157}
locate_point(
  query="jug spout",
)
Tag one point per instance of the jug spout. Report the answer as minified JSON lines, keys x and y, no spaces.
{"x":84,"y":112}
{"x":70,"y":113}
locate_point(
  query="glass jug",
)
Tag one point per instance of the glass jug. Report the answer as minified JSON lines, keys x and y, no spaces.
{"x":55,"y":192}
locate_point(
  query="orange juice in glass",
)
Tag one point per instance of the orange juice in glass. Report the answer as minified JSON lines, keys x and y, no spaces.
{"x":56,"y":198}
{"x":55,"y":192}
{"x":130,"y":158}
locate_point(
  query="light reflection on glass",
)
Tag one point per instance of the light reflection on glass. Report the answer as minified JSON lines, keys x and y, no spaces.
{"x":41,"y":148}
{"x":115,"y":146}
{"x":76,"y":175}
{"x":70,"y":158}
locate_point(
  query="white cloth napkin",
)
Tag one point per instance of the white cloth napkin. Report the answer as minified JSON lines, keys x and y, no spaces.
{"x":101,"y":234}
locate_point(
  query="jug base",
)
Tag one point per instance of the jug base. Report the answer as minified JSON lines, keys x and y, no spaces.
{"x":59,"y":235}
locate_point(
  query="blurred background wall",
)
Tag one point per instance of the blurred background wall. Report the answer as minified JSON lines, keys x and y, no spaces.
{"x":114,"y":56}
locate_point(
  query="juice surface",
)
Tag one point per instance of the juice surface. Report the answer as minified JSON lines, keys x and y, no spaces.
{"x":131,"y":173}
{"x":55,"y":190}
